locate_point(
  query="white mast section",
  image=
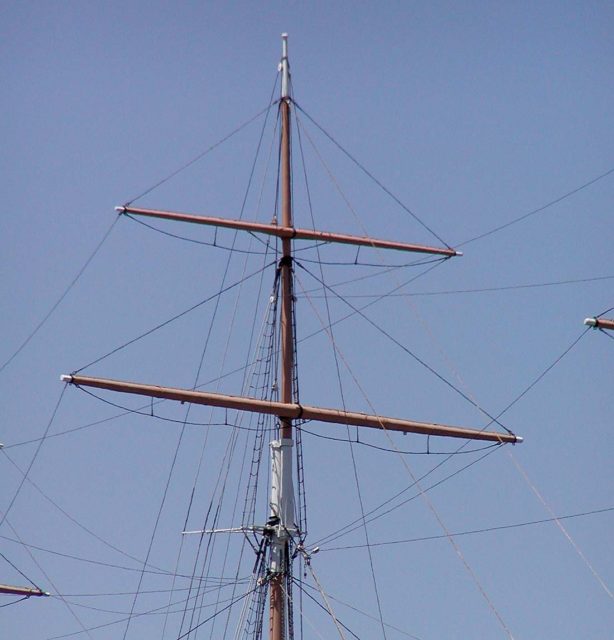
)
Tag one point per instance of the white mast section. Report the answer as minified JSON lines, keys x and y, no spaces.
{"x":284,"y":67}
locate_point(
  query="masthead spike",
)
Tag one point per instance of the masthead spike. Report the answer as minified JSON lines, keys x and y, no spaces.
{"x":284,"y":67}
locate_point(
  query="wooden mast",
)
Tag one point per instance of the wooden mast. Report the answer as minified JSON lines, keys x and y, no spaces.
{"x":279,"y":542}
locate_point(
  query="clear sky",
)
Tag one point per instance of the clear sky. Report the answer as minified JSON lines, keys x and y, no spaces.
{"x":473,"y":114}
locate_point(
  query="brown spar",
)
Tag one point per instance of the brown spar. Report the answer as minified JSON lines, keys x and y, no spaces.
{"x":291,"y":410}
{"x":600,"y":323}
{"x":288,"y":232}
{"x":21,"y":591}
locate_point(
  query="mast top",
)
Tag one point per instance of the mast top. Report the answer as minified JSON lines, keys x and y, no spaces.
{"x":284,"y":67}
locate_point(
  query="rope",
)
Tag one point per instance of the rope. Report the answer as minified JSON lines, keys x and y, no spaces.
{"x":38,"y":448}
{"x":372,"y":177}
{"x":175,"y":317}
{"x":473,"y":531}
{"x":408,"y":351}
{"x":539,"y":209}
{"x":198,"y":157}
{"x":21,"y":573}
{"x":61,"y":298}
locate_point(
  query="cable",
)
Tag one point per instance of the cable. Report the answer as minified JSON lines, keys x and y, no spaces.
{"x":408,"y":453}
{"x":407,"y":350}
{"x":299,"y":584}
{"x":542,"y":374}
{"x":21,"y":573}
{"x":153,"y":571}
{"x":355,"y":524}
{"x":163,"y":419}
{"x":176,"y":317}
{"x":193,"y":240}
{"x":8,"y":604}
{"x":457,"y":534}
{"x":539,"y":209}
{"x":377,"y":182}
{"x":61,"y":298}
{"x":38,"y":448}
{"x":418,"y":294}
{"x":303,"y":585}
{"x":199,"y":156}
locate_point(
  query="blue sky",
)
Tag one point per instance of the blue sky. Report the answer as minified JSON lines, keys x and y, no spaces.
{"x":473,"y":114}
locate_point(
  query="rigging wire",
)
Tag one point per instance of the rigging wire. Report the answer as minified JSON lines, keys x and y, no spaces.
{"x":399,"y":451}
{"x":304,"y":585}
{"x":21,"y":573}
{"x":372,"y":177}
{"x":36,"y":452}
{"x":217,"y":613}
{"x":385,"y":271}
{"x":207,"y":557}
{"x":417,"y":294}
{"x":330,"y":333}
{"x":214,"y":244}
{"x":131,"y":593}
{"x":458,"y":534}
{"x":199,"y":156}
{"x":163,"y":611}
{"x":139,"y":614}
{"x":512,"y":403}
{"x":356,"y":524}
{"x":539,"y":209}
{"x":139,"y":412}
{"x":215,"y":296}
{"x":238,"y":369}
{"x":153,"y":571}
{"x":437,"y":516}
{"x":60,"y":299}
{"x":373,"y":265}
{"x":301,"y":586}
{"x":542,"y":374}
{"x":407,"y":350}
{"x":219,"y":581}
{"x":50,"y":581}
{"x":232,"y":444}
{"x":523,"y":217}
{"x":327,"y":604}
{"x":563,"y":530}
{"x":8,"y":604}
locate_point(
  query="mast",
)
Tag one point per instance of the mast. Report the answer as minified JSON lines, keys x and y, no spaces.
{"x":281,"y":450}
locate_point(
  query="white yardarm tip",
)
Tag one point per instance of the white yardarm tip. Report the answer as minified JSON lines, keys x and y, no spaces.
{"x":519,"y":439}
{"x":65,"y":378}
{"x":458,"y":253}
{"x":120,"y":209}
{"x":590,"y":322}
